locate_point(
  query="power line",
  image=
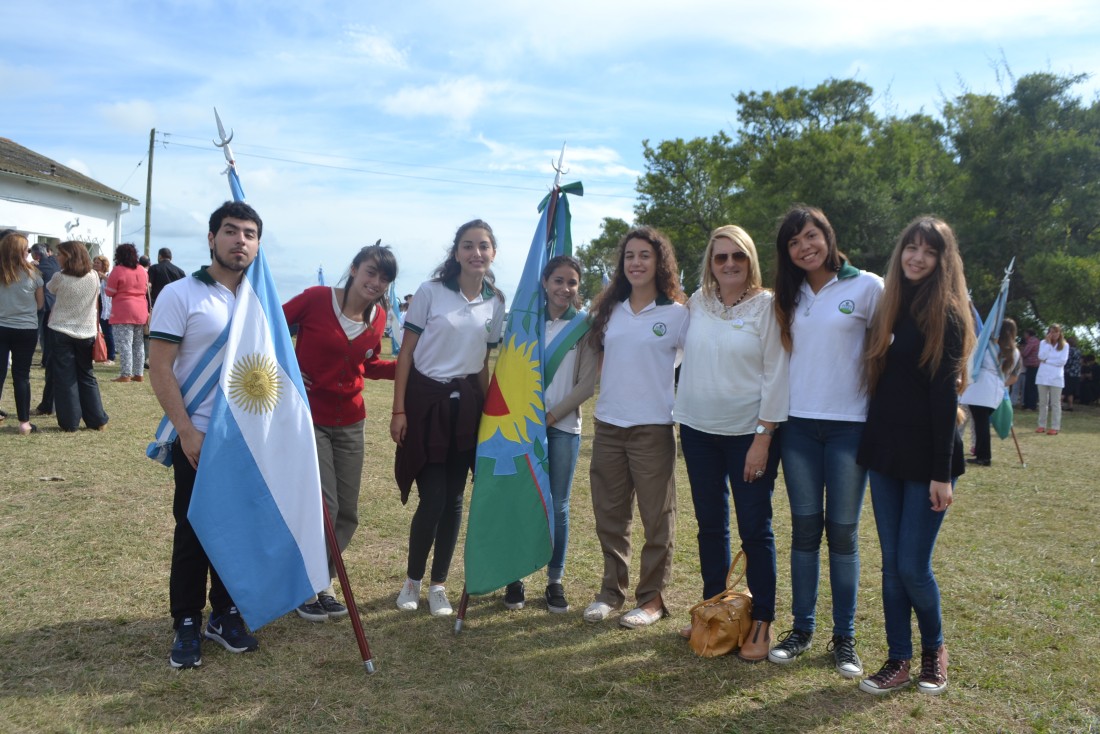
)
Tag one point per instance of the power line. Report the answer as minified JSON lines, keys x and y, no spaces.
{"x":352,"y":169}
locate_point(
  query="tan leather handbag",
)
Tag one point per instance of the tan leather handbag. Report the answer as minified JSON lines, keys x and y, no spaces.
{"x":721,"y":624}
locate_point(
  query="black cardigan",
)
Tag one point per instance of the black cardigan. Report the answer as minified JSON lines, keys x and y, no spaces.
{"x":911,"y":432}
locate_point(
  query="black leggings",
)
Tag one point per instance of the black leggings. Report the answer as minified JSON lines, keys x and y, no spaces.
{"x":982,"y":449}
{"x":438,"y":516}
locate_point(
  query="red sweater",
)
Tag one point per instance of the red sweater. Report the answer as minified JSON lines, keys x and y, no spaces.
{"x":335,"y":366}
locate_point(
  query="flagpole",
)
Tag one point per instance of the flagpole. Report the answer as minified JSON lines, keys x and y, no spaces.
{"x":330,"y":534}
{"x":349,"y":596}
{"x":551,"y":207}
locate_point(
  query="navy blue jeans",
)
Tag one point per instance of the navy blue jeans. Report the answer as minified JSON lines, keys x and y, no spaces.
{"x":715,"y":467}
{"x":907,"y":531}
{"x":825,"y":487}
{"x":75,"y":389}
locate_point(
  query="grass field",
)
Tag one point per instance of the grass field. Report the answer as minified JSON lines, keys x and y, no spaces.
{"x":85,"y":538}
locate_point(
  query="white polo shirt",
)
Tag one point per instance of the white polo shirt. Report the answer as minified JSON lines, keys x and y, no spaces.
{"x":192,"y":312}
{"x":454,"y":332}
{"x":829,"y":331}
{"x":641,"y":350}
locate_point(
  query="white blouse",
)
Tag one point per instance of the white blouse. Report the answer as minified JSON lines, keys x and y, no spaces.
{"x":735,"y":368}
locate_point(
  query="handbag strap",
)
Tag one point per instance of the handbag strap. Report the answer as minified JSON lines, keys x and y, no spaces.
{"x":730,"y":588}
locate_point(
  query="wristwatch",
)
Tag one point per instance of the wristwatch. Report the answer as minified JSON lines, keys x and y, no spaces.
{"x":764,"y":430}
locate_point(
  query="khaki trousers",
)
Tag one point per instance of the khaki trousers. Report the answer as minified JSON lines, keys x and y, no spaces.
{"x":626,"y":463}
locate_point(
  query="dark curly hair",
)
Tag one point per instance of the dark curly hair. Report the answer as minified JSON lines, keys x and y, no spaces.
{"x":126,"y":255}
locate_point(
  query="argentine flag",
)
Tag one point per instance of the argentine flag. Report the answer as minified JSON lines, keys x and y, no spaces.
{"x":256,"y":506}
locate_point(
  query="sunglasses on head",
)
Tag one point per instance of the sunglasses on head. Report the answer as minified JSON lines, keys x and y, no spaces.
{"x":720,"y":258}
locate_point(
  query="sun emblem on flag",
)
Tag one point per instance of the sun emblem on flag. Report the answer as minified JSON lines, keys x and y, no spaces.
{"x":514,"y":394}
{"x":254,"y":383}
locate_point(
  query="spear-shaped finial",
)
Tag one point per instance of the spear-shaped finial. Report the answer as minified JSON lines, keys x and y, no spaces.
{"x":224,"y":144}
{"x":559,"y":170}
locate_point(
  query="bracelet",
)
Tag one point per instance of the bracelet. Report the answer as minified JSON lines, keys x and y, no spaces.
{"x":397,"y":412}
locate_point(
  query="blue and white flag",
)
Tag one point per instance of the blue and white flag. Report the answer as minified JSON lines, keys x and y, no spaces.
{"x":256,"y":506}
{"x":990,"y":331}
{"x":395,"y":320}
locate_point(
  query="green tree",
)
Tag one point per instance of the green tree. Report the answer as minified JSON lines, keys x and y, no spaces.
{"x":687,"y":191}
{"x":1029,"y":187}
{"x":598,"y":257}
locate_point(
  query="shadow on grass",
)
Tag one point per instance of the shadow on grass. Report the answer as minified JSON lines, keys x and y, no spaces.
{"x":113,"y":674}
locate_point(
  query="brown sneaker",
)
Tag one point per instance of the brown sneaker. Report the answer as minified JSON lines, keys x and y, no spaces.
{"x":933,"y":671}
{"x":122,"y":378}
{"x":893,"y":675}
{"x":137,"y":378}
{"x":758,"y":643}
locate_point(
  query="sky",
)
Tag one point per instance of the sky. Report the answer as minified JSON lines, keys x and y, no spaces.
{"x":357,"y":121}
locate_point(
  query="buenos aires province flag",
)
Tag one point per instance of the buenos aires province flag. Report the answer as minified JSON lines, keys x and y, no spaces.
{"x":510,"y":531}
{"x":256,"y":506}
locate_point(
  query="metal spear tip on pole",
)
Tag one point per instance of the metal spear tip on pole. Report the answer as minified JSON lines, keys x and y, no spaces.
{"x":368,"y":665}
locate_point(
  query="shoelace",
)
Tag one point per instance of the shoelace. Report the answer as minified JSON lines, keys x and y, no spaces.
{"x":844,"y":648}
{"x":930,"y":665}
{"x":791,"y":640}
{"x":888,"y":671}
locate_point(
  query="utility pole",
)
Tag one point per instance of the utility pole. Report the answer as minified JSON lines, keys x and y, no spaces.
{"x":149,"y":189}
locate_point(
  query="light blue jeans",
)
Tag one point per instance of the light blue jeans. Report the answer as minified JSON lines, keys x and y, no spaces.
{"x":563,"y":448}
{"x":907,"y":532}
{"x":825,"y":487}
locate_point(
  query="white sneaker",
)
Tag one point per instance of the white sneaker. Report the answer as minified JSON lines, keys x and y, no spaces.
{"x":409,"y":598}
{"x":437,"y":602}
{"x":597,"y":612}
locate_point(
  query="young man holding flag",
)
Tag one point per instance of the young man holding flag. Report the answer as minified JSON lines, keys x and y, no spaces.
{"x":190,"y":316}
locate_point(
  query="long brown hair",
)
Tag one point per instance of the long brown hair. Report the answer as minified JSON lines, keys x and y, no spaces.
{"x":788,"y":276}
{"x":14,"y":265}
{"x":618,"y":290}
{"x":935,"y":301}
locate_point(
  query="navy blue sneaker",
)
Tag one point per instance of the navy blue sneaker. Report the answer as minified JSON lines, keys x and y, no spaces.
{"x":187,"y":644}
{"x":228,"y":630}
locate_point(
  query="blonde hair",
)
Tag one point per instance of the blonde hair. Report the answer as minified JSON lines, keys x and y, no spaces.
{"x":739,"y":237}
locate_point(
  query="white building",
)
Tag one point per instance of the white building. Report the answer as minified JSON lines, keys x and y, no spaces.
{"x":53,"y":203}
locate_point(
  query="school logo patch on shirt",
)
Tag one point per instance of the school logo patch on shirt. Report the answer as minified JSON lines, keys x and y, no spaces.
{"x":660,"y":328}
{"x":847,"y":306}
{"x":488,"y":326}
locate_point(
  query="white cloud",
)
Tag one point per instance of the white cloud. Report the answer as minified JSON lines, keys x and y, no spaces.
{"x":376,"y":48}
{"x":455,"y":99}
{"x":79,"y":166}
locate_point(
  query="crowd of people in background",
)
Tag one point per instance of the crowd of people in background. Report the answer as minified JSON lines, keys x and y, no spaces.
{"x":837,"y":376}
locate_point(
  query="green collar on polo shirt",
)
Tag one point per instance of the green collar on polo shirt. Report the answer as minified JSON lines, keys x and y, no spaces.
{"x":203,"y":276}
{"x":568,"y":315}
{"x":486,"y":289}
{"x":847,"y":270}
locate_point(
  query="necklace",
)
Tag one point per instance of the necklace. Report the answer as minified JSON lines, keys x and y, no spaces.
{"x":729,"y":308}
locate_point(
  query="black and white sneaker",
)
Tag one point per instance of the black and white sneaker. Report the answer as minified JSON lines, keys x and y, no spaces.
{"x":792,"y":643}
{"x":555,"y":599}
{"x":847,"y":662}
{"x":187,"y":644}
{"x":515,"y":596}
{"x":312,"y":611}
{"x":333,"y":608}
{"x":228,"y":630}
